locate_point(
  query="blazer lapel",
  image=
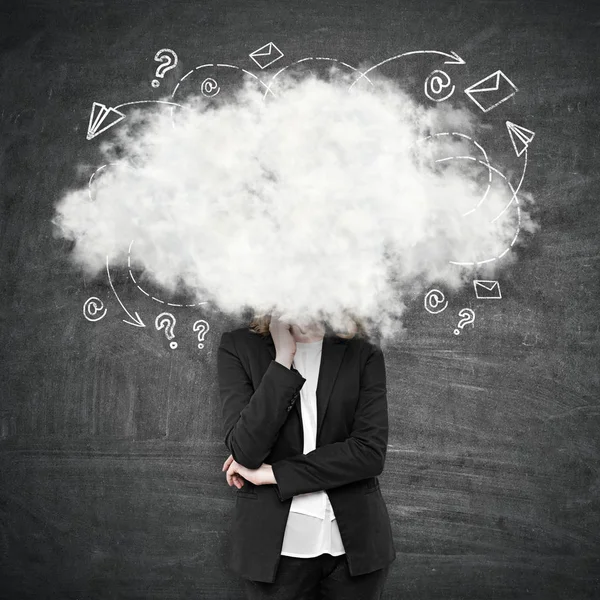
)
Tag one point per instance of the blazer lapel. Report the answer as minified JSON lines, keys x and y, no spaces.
{"x":331,"y":360}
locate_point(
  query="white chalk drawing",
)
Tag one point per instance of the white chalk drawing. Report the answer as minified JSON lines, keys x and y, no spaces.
{"x":137,"y":320}
{"x":209,"y":87}
{"x":132,"y":277}
{"x":487,"y":289}
{"x":485,"y":157}
{"x":487,"y":94}
{"x":206,"y":66}
{"x":92,"y":177}
{"x":518,"y":226}
{"x":468,"y":317}
{"x":433,"y":300}
{"x":101,"y":119}
{"x":491,"y":91}
{"x":167,"y":322}
{"x":302,"y":60}
{"x":520,"y":137}
{"x":202,"y":328}
{"x":454,"y":59}
{"x":490,"y":169}
{"x":168,"y":60}
{"x":93,"y":309}
{"x":100,"y":168}
{"x":266,"y":55}
{"x":436,"y":85}
{"x":515,"y":192}
{"x":149,"y":102}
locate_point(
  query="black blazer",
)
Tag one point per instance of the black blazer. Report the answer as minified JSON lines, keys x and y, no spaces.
{"x":263,"y":423}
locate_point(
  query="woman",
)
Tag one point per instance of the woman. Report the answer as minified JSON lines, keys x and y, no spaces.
{"x":309,"y":517}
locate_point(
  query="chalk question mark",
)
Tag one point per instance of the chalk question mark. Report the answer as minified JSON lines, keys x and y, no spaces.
{"x":468,"y":316}
{"x":202,"y":328}
{"x":168,"y":60}
{"x":167,"y":322}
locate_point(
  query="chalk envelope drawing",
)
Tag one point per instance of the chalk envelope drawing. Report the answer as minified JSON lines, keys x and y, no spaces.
{"x":520,"y":137}
{"x":266,"y":55}
{"x":487,"y":289}
{"x":491,"y":91}
{"x":101,"y":119}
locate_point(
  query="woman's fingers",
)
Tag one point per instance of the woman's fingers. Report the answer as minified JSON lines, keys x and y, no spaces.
{"x":227,"y":463}
{"x":231,"y":471}
{"x":233,"y":475}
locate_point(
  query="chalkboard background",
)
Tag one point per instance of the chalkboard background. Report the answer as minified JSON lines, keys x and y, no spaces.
{"x":110,"y":442}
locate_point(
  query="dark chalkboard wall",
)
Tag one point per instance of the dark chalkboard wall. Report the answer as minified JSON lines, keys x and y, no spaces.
{"x":110,"y":442}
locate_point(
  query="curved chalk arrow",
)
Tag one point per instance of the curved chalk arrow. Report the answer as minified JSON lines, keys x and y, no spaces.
{"x":515,"y":192}
{"x":137,"y":320}
{"x":104,"y":117}
{"x":323,"y":58}
{"x":455,"y":59}
{"x":139,"y":287}
{"x":520,"y":138}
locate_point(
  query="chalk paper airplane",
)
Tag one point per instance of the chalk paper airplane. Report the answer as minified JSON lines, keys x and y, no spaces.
{"x":491,"y":91}
{"x":266,"y":55}
{"x":101,"y":119}
{"x":520,"y":137}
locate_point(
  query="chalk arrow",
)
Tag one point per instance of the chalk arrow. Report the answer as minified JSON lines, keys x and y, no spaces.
{"x":137,"y":320}
{"x":104,"y":117}
{"x":455,"y":59}
{"x":520,"y":137}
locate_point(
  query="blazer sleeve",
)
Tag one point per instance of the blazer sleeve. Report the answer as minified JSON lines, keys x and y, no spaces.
{"x":360,"y":456}
{"x":253,"y":418}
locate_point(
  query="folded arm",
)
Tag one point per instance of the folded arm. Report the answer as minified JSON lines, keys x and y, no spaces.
{"x":360,"y":456}
{"x":253,"y":418}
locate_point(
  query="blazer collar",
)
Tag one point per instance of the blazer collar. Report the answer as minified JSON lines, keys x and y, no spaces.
{"x":331,"y":360}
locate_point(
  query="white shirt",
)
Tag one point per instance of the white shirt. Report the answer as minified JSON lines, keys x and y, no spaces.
{"x":311,"y":527}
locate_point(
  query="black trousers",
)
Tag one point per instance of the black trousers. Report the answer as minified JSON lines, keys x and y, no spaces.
{"x":323,"y":577}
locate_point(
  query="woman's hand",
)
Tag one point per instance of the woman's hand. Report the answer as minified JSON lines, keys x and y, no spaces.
{"x":233,"y":479}
{"x":285,"y":344}
{"x":236,"y":474}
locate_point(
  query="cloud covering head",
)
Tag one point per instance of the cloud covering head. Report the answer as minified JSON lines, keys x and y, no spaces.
{"x":317,"y":203}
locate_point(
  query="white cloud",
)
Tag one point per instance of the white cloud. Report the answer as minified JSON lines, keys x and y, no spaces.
{"x":312,"y":203}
